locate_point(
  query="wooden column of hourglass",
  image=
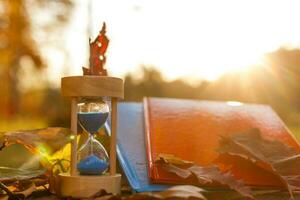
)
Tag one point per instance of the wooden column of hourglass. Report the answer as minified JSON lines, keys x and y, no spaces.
{"x":76,"y":87}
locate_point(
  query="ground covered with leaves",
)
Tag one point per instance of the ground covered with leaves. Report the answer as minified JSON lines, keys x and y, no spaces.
{"x":275,"y":158}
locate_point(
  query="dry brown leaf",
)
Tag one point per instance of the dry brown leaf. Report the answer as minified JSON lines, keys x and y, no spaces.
{"x":27,"y":191}
{"x":211,"y":195}
{"x":181,"y":172}
{"x":208,"y":175}
{"x":213,"y":173}
{"x":19,"y":190}
{"x":10,"y":174}
{"x":176,"y":192}
{"x":273,"y":156}
{"x":171,"y":159}
{"x":180,"y":192}
{"x":259,"y":195}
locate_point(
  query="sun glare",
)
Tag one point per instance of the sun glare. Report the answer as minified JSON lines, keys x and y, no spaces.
{"x":194,"y":39}
{"x":234,"y":103}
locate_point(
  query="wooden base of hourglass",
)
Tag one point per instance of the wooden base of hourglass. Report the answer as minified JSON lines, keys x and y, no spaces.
{"x":87,"y":186}
{"x":75,"y":87}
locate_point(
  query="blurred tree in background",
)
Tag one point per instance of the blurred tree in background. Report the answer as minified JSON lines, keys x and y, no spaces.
{"x":24,"y":31}
{"x":152,"y":83}
{"x":24,"y":25}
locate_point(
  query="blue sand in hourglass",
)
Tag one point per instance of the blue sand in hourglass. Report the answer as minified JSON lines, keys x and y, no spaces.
{"x":92,"y":165}
{"x":92,"y":121}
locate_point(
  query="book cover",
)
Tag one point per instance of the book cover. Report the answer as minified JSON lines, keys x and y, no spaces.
{"x":190,"y":130}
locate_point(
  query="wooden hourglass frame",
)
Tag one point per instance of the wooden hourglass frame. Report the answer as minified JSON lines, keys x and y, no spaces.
{"x":76,"y":87}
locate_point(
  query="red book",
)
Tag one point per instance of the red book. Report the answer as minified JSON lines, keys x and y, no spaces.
{"x":190,"y":130}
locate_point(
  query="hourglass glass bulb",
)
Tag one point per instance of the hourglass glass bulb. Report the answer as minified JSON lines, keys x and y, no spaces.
{"x":93,"y":158}
{"x":92,"y":114}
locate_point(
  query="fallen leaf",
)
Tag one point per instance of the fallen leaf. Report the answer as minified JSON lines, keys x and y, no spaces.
{"x":27,"y":191}
{"x":181,"y":192}
{"x":207,"y":175}
{"x":19,"y":190}
{"x":258,"y":194}
{"x":183,"y":173}
{"x":171,"y":159}
{"x":9,"y":174}
{"x":44,"y":141}
{"x":176,"y":192}
{"x":273,"y":156}
{"x":214,"y":174}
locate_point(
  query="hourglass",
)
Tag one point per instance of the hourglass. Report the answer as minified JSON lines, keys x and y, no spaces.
{"x":89,"y":96}
{"x":92,"y":168}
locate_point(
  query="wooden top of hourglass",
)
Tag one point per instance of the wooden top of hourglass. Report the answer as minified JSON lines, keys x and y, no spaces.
{"x":92,"y":86}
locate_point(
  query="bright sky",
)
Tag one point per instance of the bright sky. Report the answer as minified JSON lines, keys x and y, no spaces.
{"x":183,"y":38}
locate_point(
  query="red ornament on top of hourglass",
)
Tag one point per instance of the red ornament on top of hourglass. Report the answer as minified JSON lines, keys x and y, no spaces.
{"x":97,"y":54}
